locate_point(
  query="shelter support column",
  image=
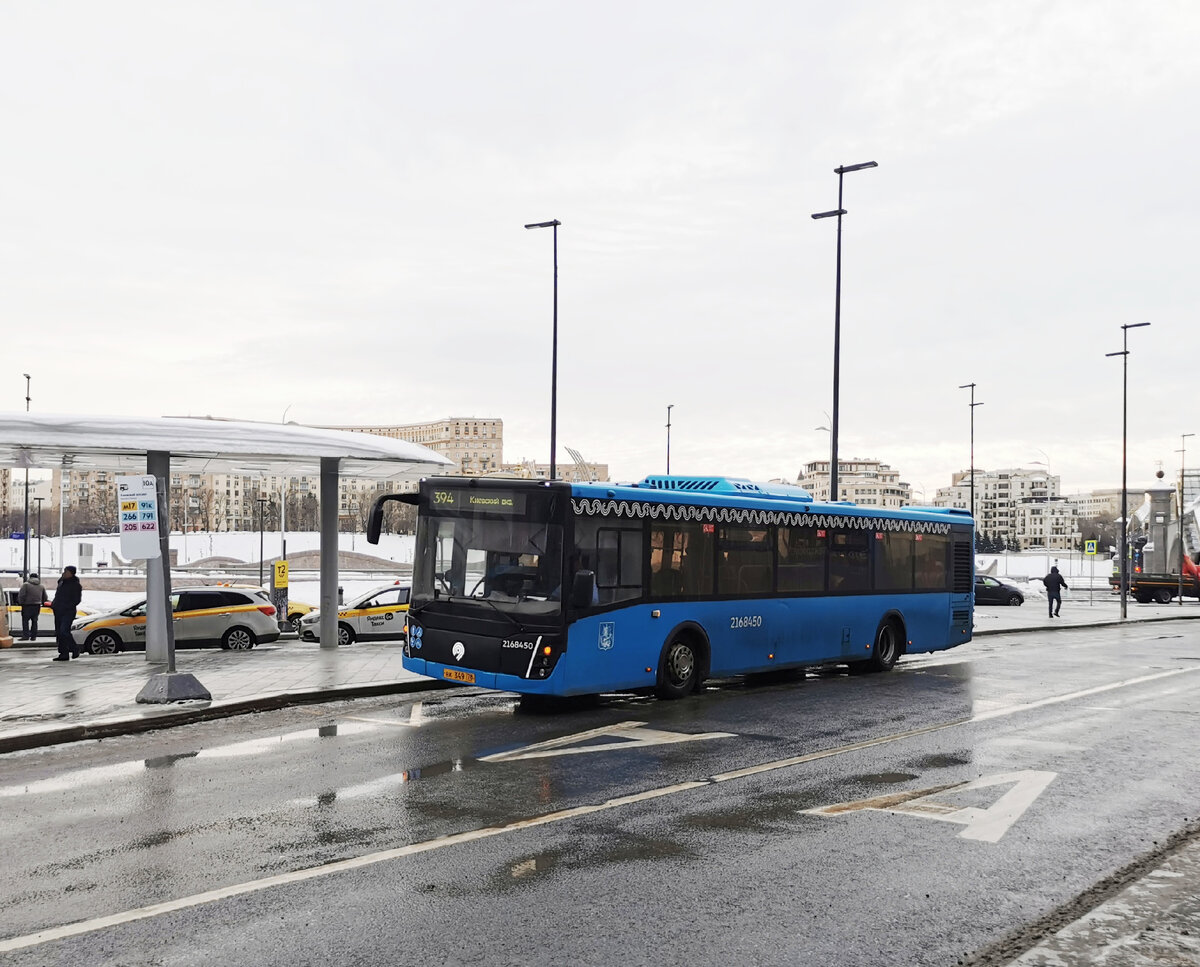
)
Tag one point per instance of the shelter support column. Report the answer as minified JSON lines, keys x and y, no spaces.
{"x":168,"y":686}
{"x":160,"y":626}
{"x":329,"y":552}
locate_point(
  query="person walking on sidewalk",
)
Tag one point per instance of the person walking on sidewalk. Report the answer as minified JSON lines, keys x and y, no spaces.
{"x":1054,"y":586}
{"x":66,"y":599}
{"x":31,"y":597}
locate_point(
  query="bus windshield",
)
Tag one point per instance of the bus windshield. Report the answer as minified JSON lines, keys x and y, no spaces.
{"x":508,"y":563}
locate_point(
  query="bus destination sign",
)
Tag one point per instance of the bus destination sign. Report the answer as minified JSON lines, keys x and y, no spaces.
{"x":478,"y":501}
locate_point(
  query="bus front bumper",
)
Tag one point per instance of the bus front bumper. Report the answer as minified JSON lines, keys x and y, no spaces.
{"x":465,"y":676}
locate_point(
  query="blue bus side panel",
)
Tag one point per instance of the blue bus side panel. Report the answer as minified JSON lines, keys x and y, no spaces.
{"x":620,"y":649}
{"x":614,"y":650}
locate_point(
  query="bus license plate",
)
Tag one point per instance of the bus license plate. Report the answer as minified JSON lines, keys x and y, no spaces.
{"x":456,"y":676}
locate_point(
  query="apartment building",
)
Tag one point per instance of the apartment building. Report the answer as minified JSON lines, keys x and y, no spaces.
{"x":475,"y":445}
{"x":1005,"y":502}
{"x":866,"y":482}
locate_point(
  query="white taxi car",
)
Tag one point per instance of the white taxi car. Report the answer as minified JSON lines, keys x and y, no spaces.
{"x":234,"y":618}
{"x":45,"y":616}
{"x":378,"y":615}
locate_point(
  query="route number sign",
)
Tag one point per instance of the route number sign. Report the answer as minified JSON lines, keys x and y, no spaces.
{"x":137,"y":513}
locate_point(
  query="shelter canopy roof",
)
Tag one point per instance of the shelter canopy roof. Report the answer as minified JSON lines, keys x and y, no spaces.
{"x":204,"y":445}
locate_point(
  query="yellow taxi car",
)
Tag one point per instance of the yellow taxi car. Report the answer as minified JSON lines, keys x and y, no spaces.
{"x":378,"y":615}
{"x":45,"y":616}
{"x":234,"y":618}
{"x":296,"y":611}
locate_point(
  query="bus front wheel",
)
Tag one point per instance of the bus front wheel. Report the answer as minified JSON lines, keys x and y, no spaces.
{"x":678,"y":669}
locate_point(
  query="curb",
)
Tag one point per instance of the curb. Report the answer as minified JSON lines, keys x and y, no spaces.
{"x":980,"y":633}
{"x":189,"y":716}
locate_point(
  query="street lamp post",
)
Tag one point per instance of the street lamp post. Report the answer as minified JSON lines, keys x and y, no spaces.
{"x":38,"y":501}
{"x":973,"y":404}
{"x":1124,"y":549}
{"x":25,"y":537}
{"x":837,"y":324}
{"x":670,"y":406}
{"x":261,"y":521}
{"x":1182,"y":465}
{"x":553,"y":224}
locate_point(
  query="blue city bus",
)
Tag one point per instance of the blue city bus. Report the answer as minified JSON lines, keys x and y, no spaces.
{"x":553,"y":588}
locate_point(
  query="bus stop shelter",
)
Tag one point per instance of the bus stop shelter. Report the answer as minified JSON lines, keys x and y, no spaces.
{"x":159,"y":445}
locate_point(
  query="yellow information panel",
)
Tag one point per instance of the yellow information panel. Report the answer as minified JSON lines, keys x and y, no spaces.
{"x":281,"y":574}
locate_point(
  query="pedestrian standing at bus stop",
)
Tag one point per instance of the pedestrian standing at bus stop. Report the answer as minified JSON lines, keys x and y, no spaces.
{"x":1054,"y":586}
{"x":31,"y":597}
{"x":66,"y":599}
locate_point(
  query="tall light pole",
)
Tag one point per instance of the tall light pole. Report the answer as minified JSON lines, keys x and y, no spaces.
{"x":261,"y":518}
{"x":25,"y":540}
{"x":38,"y":501}
{"x":973,"y":404}
{"x":283,"y":496}
{"x":837,"y":324}
{"x":554,"y":223}
{"x":1124,"y":549}
{"x":670,"y":406}
{"x":1182,"y":465}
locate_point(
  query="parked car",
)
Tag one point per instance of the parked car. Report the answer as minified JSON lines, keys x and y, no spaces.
{"x":235,"y":618}
{"x":377,"y":615}
{"x":296,"y":611}
{"x":45,"y":617}
{"x":989,"y":590}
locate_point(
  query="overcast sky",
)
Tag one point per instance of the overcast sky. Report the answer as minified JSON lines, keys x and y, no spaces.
{"x":247,"y":208}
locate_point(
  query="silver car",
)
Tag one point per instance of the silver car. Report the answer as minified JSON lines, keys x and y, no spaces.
{"x":230,"y":617}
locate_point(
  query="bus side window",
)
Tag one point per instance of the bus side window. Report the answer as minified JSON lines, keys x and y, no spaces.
{"x":849,"y":560}
{"x":681,"y":560}
{"x":801,"y":559}
{"x":614,"y":549}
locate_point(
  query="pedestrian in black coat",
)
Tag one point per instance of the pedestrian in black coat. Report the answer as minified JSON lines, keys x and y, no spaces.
{"x":1054,"y":585}
{"x":66,"y":599}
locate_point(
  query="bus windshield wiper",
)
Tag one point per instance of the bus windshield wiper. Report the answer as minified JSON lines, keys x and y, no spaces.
{"x":499,"y":610}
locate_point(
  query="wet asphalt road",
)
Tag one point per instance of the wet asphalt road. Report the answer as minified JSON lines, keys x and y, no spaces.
{"x":977,"y":790}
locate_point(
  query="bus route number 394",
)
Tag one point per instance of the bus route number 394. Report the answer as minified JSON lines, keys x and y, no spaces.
{"x":746,"y":621}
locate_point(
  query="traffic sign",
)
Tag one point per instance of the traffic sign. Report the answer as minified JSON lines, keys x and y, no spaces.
{"x":1089,"y":547}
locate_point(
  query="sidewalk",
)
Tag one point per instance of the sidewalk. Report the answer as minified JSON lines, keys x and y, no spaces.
{"x":43,"y":702}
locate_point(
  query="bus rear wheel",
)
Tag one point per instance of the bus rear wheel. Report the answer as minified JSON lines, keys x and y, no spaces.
{"x":678,"y":669}
{"x":886,"y":649}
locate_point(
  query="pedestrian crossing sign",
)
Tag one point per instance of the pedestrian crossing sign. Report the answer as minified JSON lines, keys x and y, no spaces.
{"x":1089,"y":547}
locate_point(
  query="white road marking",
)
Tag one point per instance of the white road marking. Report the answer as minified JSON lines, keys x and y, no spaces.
{"x":630,"y":735}
{"x":986,"y":825}
{"x":1083,"y":693}
{"x":371,"y":859}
